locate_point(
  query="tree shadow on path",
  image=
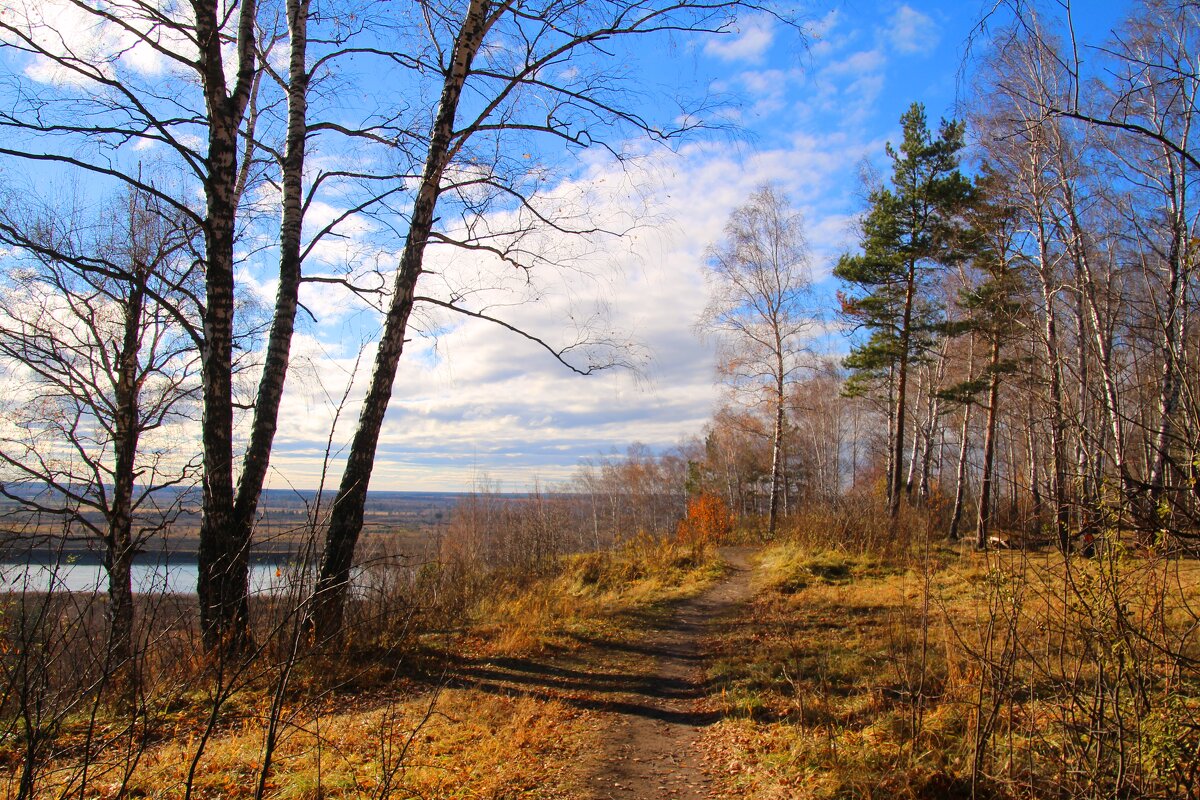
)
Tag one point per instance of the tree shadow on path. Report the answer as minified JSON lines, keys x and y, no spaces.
{"x":653,"y":671}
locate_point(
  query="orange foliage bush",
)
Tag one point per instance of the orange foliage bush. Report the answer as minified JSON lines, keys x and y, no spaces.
{"x":708,"y":520}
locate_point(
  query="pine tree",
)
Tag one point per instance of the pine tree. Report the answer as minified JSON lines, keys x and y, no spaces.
{"x":911,"y":230}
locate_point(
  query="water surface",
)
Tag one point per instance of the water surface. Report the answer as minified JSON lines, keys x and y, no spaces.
{"x":148,"y":578}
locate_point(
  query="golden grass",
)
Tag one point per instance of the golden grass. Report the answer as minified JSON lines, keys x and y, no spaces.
{"x":1011,"y":674}
{"x":788,"y":567}
{"x":472,"y":745}
{"x":590,"y":592}
{"x":354,"y":728}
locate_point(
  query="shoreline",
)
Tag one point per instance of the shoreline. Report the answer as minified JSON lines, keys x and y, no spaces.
{"x":88,"y":553}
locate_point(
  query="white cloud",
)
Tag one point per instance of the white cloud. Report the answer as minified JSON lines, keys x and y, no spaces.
{"x":767,"y":90}
{"x":754,"y":37}
{"x":481,"y":399}
{"x":909,"y":31}
{"x":765,"y":82}
{"x":84,"y":37}
{"x":847,"y":88}
{"x":856,"y":64}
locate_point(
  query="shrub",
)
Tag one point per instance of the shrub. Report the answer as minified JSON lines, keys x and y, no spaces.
{"x":708,"y":521}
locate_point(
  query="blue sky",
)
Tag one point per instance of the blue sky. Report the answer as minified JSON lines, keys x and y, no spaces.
{"x":478,"y":402}
{"x":801,"y":111}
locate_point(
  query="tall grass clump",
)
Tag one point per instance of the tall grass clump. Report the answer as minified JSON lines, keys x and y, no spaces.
{"x":920,"y":668}
{"x":591,"y":589}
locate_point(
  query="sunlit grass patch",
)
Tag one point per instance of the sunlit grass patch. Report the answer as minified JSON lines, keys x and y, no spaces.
{"x":788,"y":567}
{"x":463,"y":743}
{"x":940,"y":674}
{"x":591,"y":593}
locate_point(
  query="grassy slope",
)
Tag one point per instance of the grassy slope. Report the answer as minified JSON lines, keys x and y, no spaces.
{"x":364,"y":729}
{"x":1025,"y":681}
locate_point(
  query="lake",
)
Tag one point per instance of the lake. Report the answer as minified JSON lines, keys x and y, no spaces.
{"x":148,"y":578}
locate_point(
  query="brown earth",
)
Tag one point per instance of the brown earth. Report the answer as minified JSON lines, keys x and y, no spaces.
{"x":645,"y":688}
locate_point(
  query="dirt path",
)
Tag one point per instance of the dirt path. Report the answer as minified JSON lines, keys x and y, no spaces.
{"x":650,"y":752}
{"x":648,"y":690}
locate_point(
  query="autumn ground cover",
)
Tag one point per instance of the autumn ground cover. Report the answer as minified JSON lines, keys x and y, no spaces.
{"x":858,"y":667}
{"x":404,"y":720}
{"x":941,"y":672}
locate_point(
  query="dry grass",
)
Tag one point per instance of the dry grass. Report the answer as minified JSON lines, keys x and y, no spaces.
{"x":470,"y":745}
{"x":591,"y":591}
{"x":953,"y":674}
{"x":356,"y":726}
{"x":919,"y":671}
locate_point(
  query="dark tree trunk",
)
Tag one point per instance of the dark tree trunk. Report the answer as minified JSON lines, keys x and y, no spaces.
{"x":270,"y":388}
{"x":983,"y":521}
{"x":901,"y":395}
{"x":223,"y":560}
{"x":345,"y":524}
{"x":119,"y":549}
{"x":891,"y":432}
{"x":1035,"y":472}
{"x":224,"y":548}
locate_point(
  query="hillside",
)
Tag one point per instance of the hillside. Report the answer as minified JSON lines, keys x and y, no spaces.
{"x":791,"y":669}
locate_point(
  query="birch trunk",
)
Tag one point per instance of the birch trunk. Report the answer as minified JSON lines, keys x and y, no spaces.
{"x":223,"y":559}
{"x":960,"y":478}
{"x":271,"y":384}
{"x":777,"y":443}
{"x":346,"y":518}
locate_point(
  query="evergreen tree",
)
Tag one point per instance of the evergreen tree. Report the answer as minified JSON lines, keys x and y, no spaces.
{"x":911,"y":230}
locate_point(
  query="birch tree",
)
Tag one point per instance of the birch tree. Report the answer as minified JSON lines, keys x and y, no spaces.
{"x":541,"y":75}
{"x":101,"y":376}
{"x":760,"y":287}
